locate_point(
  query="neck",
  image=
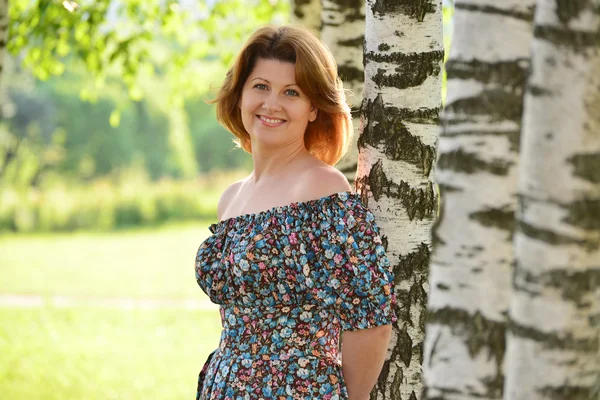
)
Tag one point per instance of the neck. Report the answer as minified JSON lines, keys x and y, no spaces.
{"x":271,"y":163}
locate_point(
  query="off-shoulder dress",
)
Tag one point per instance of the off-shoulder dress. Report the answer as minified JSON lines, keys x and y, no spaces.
{"x":288,"y":281}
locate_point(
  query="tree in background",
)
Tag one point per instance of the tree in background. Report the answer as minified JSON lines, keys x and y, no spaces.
{"x":471,"y":266}
{"x":549,"y":310}
{"x":308,"y":14}
{"x":343,"y":31}
{"x":403,"y":56}
{"x":553,"y":346}
{"x":174,"y":48}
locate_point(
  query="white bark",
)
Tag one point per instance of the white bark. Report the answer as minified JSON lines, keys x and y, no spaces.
{"x":343,"y":31}
{"x":553,"y":349}
{"x":307,"y":13}
{"x":477,"y":174}
{"x":398,"y":134}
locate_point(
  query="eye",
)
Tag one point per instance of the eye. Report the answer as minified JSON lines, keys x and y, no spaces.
{"x":260,"y":86}
{"x":292,"y":92}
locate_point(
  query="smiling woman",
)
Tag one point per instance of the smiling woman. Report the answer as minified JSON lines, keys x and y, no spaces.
{"x":313,"y":73}
{"x":296,"y":260}
{"x":275,"y":102}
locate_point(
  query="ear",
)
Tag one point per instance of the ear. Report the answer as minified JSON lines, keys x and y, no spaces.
{"x":313,"y":114}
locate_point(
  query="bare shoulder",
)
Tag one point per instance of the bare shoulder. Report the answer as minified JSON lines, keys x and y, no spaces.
{"x":322,"y":180}
{"x":226,"y":197}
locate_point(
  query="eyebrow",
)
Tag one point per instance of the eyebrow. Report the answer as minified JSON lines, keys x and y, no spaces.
{"x":266,"y":80}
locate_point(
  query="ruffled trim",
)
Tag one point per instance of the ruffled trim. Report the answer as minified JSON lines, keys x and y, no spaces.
{"x":301,"y":210}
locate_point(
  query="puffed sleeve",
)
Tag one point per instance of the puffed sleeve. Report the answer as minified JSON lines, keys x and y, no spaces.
{"x":360,"y":272}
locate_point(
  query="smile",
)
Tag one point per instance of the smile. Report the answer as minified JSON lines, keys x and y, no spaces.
{"x":270,"y":121}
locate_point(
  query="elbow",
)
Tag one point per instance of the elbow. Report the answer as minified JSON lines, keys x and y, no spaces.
{"x":378,"y":334}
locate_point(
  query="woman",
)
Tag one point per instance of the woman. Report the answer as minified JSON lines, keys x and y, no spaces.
{"x":295,"y":259}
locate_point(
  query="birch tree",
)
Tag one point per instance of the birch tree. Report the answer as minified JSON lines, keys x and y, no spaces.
{"x":477,"y":176}
{"x":403,"y":56}
{"x":343,"y":31}
{"x":308,"y":14}
{"x":553,"y":347}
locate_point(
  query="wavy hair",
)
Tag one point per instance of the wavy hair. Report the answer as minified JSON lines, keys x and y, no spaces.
{"x":328,"y":137}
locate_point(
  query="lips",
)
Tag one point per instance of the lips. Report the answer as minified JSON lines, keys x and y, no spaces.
{"x":270,"y":120}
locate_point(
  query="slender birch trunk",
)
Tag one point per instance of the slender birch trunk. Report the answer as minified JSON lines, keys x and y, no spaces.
{"x":343,"y":31}
{"x":397,"y":146}
{"x":308,"y":14}
{"x":477,"y":176}
{"x":553,"y":349}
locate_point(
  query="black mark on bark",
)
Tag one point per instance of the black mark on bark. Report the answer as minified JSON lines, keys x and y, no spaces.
{"x":413,"y":263}
{"x":570,"y":9}
{"x":411,"y":69}
{"x":555,"y":340}
{"x":356,"y":42}
{"x":462,"y":161}
{"x":496,"y":104}
{"x":405,"y":345}
{"x":501,"y":218}
{"x":563,"y":392}
{"x":573,"y":285}
{"x":480,"y":334}
{"x":513,"y":136}
{"x":547,"y":236}
{"x":584,"y":214}
{"x":417,"y":9}
{"x":586,"y":166}
{"x":538,"y":91}
{"x":385,"y":126}
{"x":577,"y":40}
{"x":351,"y":74}
{"x":512,"y":74}
{"x":298,"y":5}
{"x":522,"y":15}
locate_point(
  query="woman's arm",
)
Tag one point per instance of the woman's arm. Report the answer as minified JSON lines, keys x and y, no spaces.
{"x":363,"y":354}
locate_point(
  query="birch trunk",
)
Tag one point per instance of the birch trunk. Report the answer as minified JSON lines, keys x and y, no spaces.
{"x":307,"y":13}
{"x":553,"y":347}
{"x":397,"y":146}
{"x":343,"y":31}
{"x":477,"y":177}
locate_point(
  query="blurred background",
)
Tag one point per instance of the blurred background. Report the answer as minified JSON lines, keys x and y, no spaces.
{"x":111,"y":165}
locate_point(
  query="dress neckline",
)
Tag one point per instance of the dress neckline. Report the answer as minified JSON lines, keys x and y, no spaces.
{"x":280,"y":209}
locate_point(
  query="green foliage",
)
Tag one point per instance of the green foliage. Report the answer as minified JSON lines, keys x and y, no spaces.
{"x":119,"y":37}
{"x":54,"y":131}
{"x":131,"y":199}
{"x":149,"y":46}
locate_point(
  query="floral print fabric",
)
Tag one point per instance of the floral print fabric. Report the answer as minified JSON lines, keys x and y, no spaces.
{"x":288,"y":281}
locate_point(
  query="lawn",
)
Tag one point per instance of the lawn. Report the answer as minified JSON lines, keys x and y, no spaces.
{"x":138,"y":263}
{"x":104,"y":353}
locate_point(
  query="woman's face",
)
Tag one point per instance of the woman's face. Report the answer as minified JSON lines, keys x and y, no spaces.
{"x":274,"y":109}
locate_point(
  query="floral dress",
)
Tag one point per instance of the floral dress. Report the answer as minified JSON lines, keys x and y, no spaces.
{"x":288,"y":281}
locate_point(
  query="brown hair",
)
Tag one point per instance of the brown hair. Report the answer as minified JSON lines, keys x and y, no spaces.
{"x":328,"y":137}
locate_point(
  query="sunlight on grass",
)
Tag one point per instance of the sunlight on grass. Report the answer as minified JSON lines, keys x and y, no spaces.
{"x":85,"y":353}
{"x":157,"y":263}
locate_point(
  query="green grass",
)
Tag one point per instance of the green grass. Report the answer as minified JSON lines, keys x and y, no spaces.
{"x":97,"y":353}
{"x":138,"y":263}
{"x":86,"y":353}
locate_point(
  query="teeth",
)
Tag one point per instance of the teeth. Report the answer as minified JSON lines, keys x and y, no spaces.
{"x":271,"y":121}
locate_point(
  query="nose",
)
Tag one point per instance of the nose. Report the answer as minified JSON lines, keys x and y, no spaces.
{"x":272,"y":103}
